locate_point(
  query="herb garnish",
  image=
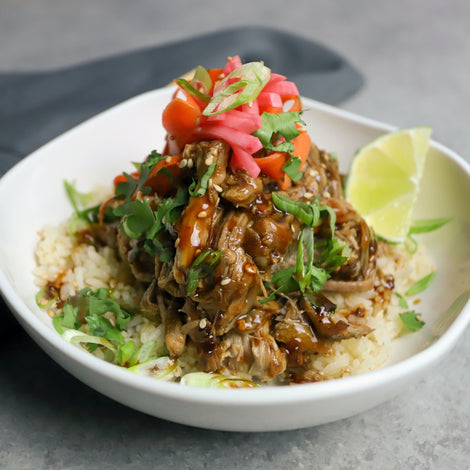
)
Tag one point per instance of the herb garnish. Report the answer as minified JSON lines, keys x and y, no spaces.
{"x":201,"y":267}
{"x":401,"y":300}
{"x":291,"y":168}
{"x":308,"y":213}
{"x":421,"y":285}
{"x":204,"y":182}
{"x":154,"y":227}
{"x":423,"y":226}
{"x":308,"y":275}
{"x":412,"y":320}
{"x":91,"y":306}
{"x":276,"y":126}
{"x":79,"y":202}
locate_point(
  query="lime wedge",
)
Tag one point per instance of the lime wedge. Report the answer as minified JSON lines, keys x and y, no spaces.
{"x":383,"y":182}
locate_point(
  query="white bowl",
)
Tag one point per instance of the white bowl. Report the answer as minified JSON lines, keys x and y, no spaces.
{"x":32,"y":196}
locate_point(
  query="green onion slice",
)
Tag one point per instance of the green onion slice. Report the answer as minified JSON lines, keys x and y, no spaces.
{"x":207,"y":380}
{"x":162,"y":368}
{"x":252,"y":79}
{"x":421,"y":285}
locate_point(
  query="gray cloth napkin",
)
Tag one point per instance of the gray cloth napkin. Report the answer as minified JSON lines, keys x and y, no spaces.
{"x":38,"y":106}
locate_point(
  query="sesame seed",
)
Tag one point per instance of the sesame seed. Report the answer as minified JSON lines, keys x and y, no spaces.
{"x":313,"y":172}
{"x":224,"y":282}
{"x":205,"y":206}
{"x":183,"y":163}
{"x":202,"y":214}
{"x":190,"y":163}
{"x":209,"y":160}
{"x":308,"y":195}
{"x":326,"y":194}
{"x":210,"y":182}
{"x":203,"y":323}
{"x":168,"y":159}
{"x":217,"y":188}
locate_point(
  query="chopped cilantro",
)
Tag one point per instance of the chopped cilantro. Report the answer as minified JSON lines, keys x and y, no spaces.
{"x":155,"y":228}
{"x":291,"y":168}
{"x":276,"y":126}
{"x":412,"y":320}
{"x":88,"y":308}
{"x":401,"y":300}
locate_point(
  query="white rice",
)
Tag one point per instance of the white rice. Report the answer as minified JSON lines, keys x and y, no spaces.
{"x":63,"y":261}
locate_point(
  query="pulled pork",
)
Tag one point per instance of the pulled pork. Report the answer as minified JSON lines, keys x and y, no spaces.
{"x":227,"y":316}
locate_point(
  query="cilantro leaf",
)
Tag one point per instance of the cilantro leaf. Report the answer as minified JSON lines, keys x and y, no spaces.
{"x":277,"y":125}
{"x":291,"y":168}
{"x":70,"y":316}
{"x":412,"y":320}
{"x":92,"y":306}
{"x":140,"y":220}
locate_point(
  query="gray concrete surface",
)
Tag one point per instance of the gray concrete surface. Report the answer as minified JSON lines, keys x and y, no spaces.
{"x":415,"y":56}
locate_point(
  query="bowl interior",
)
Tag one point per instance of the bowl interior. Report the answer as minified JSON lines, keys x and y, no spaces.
{"x":94,"y":152}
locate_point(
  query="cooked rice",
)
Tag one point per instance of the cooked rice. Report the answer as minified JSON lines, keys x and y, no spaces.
{"x":63,"y":261}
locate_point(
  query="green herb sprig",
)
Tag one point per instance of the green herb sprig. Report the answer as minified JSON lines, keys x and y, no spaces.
{"x":201,"y":267}
{"x":423,"y":226}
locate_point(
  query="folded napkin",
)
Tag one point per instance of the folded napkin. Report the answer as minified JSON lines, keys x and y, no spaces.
{"x":38,"y":106}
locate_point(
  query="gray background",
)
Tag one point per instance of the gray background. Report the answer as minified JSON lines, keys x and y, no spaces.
{"x":415,"y":57}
